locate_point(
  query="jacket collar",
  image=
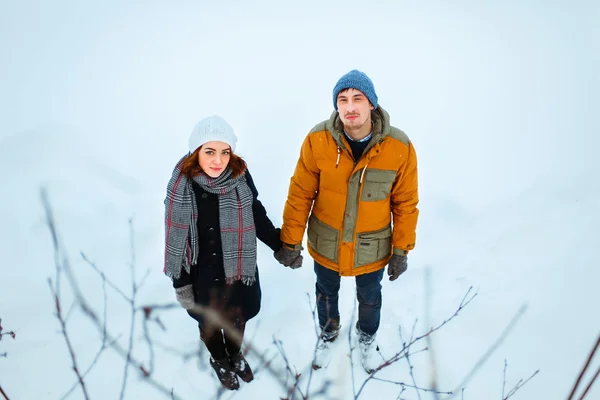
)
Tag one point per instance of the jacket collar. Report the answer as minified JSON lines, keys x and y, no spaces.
{"x":381,"y":128}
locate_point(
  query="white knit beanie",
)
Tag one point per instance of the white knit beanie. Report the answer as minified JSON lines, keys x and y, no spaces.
{"x":213,"y":128}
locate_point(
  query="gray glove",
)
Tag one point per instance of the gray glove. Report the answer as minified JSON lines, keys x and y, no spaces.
{"x":397,"y":266}
{"x":185,"y":296}
{"x":289,"y":257}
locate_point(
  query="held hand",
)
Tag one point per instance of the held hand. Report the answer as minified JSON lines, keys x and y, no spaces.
{"x":397,"y":266}
{"x":185,"y":296}
{"x":288,"y":257}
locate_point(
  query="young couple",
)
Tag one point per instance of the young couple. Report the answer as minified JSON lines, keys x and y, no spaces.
{"x":355,"y":192}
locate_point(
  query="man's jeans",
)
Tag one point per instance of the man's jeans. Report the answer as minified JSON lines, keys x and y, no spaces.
{"x":368,"y":292}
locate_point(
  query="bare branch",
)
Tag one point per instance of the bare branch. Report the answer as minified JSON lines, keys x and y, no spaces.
{"x":313,"y":311}
{"x":104,"y":278}
{"x":143,"y":280}
{"x":465,"y":301}
{"x":149,"y":308}
{"x":589,"y":386}
{"x":504,"y":379}
{"x":410,"y":366}
{"x":432,"y":359}
{"x":149,"y":341}
{"x":67,"y":340}
{"x":417,"y":388}
{"x":87,"y":371}
{"x":519,"y":385}
{"x":71,"y":308}
{"x":132,"y":326}
{"x":401,"y":354}
{"x":3,"y":394}
{"x":294,"y":375}
{"x":584,"y":368}
{"x":104,"y":344}
{"x":493,"y":348}
{"x":64,"y":265}
{"x":398,"y":356}
{"x":352,"y":348}
{"x":12,"y":334}
{"x":105,"y":313}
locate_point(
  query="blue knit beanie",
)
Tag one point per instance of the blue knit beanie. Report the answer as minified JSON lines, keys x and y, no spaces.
{"x":355,"y":80}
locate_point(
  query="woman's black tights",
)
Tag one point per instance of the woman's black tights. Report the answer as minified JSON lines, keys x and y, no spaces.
{"x":220,"y":342}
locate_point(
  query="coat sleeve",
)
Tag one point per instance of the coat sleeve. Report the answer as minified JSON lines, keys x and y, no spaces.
{"x":265,"y":230}
{"x":301,"y":194}
{"x":183,"y":280}
{"x":404,"y":200}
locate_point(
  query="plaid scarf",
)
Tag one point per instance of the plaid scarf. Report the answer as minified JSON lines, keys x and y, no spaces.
{"x":238,"y":233}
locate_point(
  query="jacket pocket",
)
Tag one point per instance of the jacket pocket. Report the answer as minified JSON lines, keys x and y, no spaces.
{"x":323,"y":238}
{"x":373,"y":246}
{"x":377,"y":184}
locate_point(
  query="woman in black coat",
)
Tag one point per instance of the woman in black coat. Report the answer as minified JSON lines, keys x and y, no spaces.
{"x":212,"y":220}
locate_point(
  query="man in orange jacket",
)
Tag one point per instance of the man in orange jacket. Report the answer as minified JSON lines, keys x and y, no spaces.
{"x":356,"y":186}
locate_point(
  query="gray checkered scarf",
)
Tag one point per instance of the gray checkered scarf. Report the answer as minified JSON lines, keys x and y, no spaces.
{"x":238,"y":233}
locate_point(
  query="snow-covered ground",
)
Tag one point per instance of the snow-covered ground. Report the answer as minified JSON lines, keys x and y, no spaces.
{"x":500,"y":100}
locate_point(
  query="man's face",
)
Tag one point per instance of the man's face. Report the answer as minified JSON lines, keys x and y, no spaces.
{"x":354,"y":108}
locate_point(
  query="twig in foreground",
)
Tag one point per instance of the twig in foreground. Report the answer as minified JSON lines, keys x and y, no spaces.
{"x":11,"y":333}
{"x":417,"y":388}
{"x":585,"y":367}
{"x":67,"y":340}
{"x":63,"y":264}
{"x":133,"y":312}
{"x":407,"y":356}
{"x":489,"y":352}
{"x":519,"y":385}
{"x":399,"y":355}
{"x":3,"y":394}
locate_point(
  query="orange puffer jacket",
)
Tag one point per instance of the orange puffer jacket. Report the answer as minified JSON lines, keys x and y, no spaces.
{"x":349,"y":204}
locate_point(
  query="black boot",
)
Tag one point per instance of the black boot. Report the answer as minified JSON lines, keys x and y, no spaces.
{"x":240,"y":366}
{"x":225,"y":373}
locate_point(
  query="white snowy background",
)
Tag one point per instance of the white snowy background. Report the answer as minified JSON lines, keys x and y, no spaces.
{"x":501,"y":100}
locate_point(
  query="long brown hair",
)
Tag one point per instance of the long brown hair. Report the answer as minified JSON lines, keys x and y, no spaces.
{"x":191,"y":168}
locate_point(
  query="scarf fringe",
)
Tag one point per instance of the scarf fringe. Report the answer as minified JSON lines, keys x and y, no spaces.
{"x":176,"y":274}
{"x":246,"y":280}
{"x":172,"y":274}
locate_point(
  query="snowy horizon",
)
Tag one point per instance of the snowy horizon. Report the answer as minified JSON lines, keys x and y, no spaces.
{"x":97,"y":102}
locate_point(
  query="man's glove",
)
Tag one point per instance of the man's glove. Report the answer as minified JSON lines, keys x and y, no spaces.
{"x":288,"y":256}
{"x":397,"y":266}
{"x":185,"y":296}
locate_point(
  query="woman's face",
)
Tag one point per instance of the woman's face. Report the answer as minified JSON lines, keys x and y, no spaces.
{"x":214,"y":157}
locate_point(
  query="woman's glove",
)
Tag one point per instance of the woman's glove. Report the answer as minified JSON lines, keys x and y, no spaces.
{"x":185,"y":296}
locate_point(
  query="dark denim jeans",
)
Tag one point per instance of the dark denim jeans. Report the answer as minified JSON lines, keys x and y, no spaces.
{"x":368,"y":293}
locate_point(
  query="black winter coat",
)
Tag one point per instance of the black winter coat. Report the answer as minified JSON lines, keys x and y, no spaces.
{"x":208,"y":275}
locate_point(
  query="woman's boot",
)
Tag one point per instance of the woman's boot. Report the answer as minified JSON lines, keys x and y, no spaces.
{"x":225,"y":373}
{"x":240,"y":366}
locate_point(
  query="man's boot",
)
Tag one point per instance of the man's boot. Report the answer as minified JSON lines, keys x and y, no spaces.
{"x":369,"y":351}
{"x":323,"y":354}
